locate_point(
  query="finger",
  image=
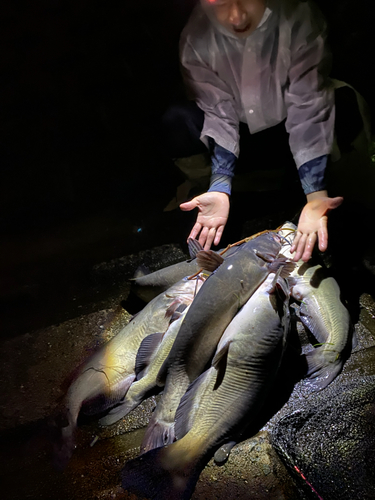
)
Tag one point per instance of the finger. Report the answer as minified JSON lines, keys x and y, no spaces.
{"x":189,"y":205}
{"x":323,"y":234}
{"x":203,"y":236}
{"x":335,"y":202}
{"x":195,"y":231}
{"x":309,"y":247}
{"x":295,"y":242}
{"x":210,"y":238}
{"x":300,"y":247}
{"x":323,"y":239}
{"x":219,"y":234}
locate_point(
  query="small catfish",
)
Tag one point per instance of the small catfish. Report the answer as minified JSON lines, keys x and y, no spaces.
{"x":226,"y":290}
{"x":221,"y":402}
{"x":323,"y":314}
{"x":148,"y":286}
{"x":104,"y":379}
{"x":152,"y":352}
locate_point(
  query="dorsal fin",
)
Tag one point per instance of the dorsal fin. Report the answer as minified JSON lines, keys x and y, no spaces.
{"x":194,"y":247}
{"x":209,"y":260}
{"x":141,"y":271}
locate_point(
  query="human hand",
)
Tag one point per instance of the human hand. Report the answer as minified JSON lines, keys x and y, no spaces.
{"x":312,"y":225}
{"x":213,"y":212}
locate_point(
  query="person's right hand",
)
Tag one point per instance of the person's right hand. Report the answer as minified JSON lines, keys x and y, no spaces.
{"x":213,"y":212}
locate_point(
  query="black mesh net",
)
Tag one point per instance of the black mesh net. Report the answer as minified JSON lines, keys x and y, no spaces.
{"x":329,"y":444}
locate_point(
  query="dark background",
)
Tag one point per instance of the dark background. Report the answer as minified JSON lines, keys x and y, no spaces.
{"x":83,"y":179}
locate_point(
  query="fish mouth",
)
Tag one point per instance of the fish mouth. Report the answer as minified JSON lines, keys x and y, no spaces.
{"x":275,"y":236}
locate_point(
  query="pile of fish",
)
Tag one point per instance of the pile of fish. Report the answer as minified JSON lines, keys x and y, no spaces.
{"x":211,"y":339}
{"x":102,"y":381}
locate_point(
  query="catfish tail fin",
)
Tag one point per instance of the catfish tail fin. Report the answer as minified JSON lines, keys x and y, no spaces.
{"x":64,"y":429}
{"x":321,"y":371}
{"x":155,"y":475}
{"x":158,"y":433}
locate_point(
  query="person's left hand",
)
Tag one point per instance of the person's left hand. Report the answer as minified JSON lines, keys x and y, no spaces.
{"x":312,"y":225}
{"x":213,"y":211}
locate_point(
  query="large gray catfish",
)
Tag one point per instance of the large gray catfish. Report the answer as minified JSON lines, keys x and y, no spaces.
{"x":217,"y":302}
{"x":104,"y":379}
{"x":322,"y":312}
{"x":224,"y":400}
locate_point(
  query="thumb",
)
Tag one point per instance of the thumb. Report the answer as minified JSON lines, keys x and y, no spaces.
{"x":321,"y":206}
{"x":189,"y":205}
{"x":335,"y":202}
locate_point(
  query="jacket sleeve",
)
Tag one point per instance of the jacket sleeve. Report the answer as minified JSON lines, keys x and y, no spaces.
{"x":309,"y":97}
{"x":223,"y":166}
{"x":212,"y":95}
{"x":312,"y":176}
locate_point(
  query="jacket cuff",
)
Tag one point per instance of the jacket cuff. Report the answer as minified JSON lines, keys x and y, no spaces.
{"x":223,"y":163}
{"x":221,"y":183}
{"x":311,"y":174}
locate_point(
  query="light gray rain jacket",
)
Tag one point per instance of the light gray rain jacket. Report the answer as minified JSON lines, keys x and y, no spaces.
{"x":279,"y":71}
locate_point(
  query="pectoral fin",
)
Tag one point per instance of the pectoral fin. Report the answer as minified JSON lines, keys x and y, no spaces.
{"x":287,"y":267}
{"x":220,"y":355}
{"x":146,"y":350}
{"x":190,"y":402}
{"x":321,"y":334}
{"x":209,"y":260}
